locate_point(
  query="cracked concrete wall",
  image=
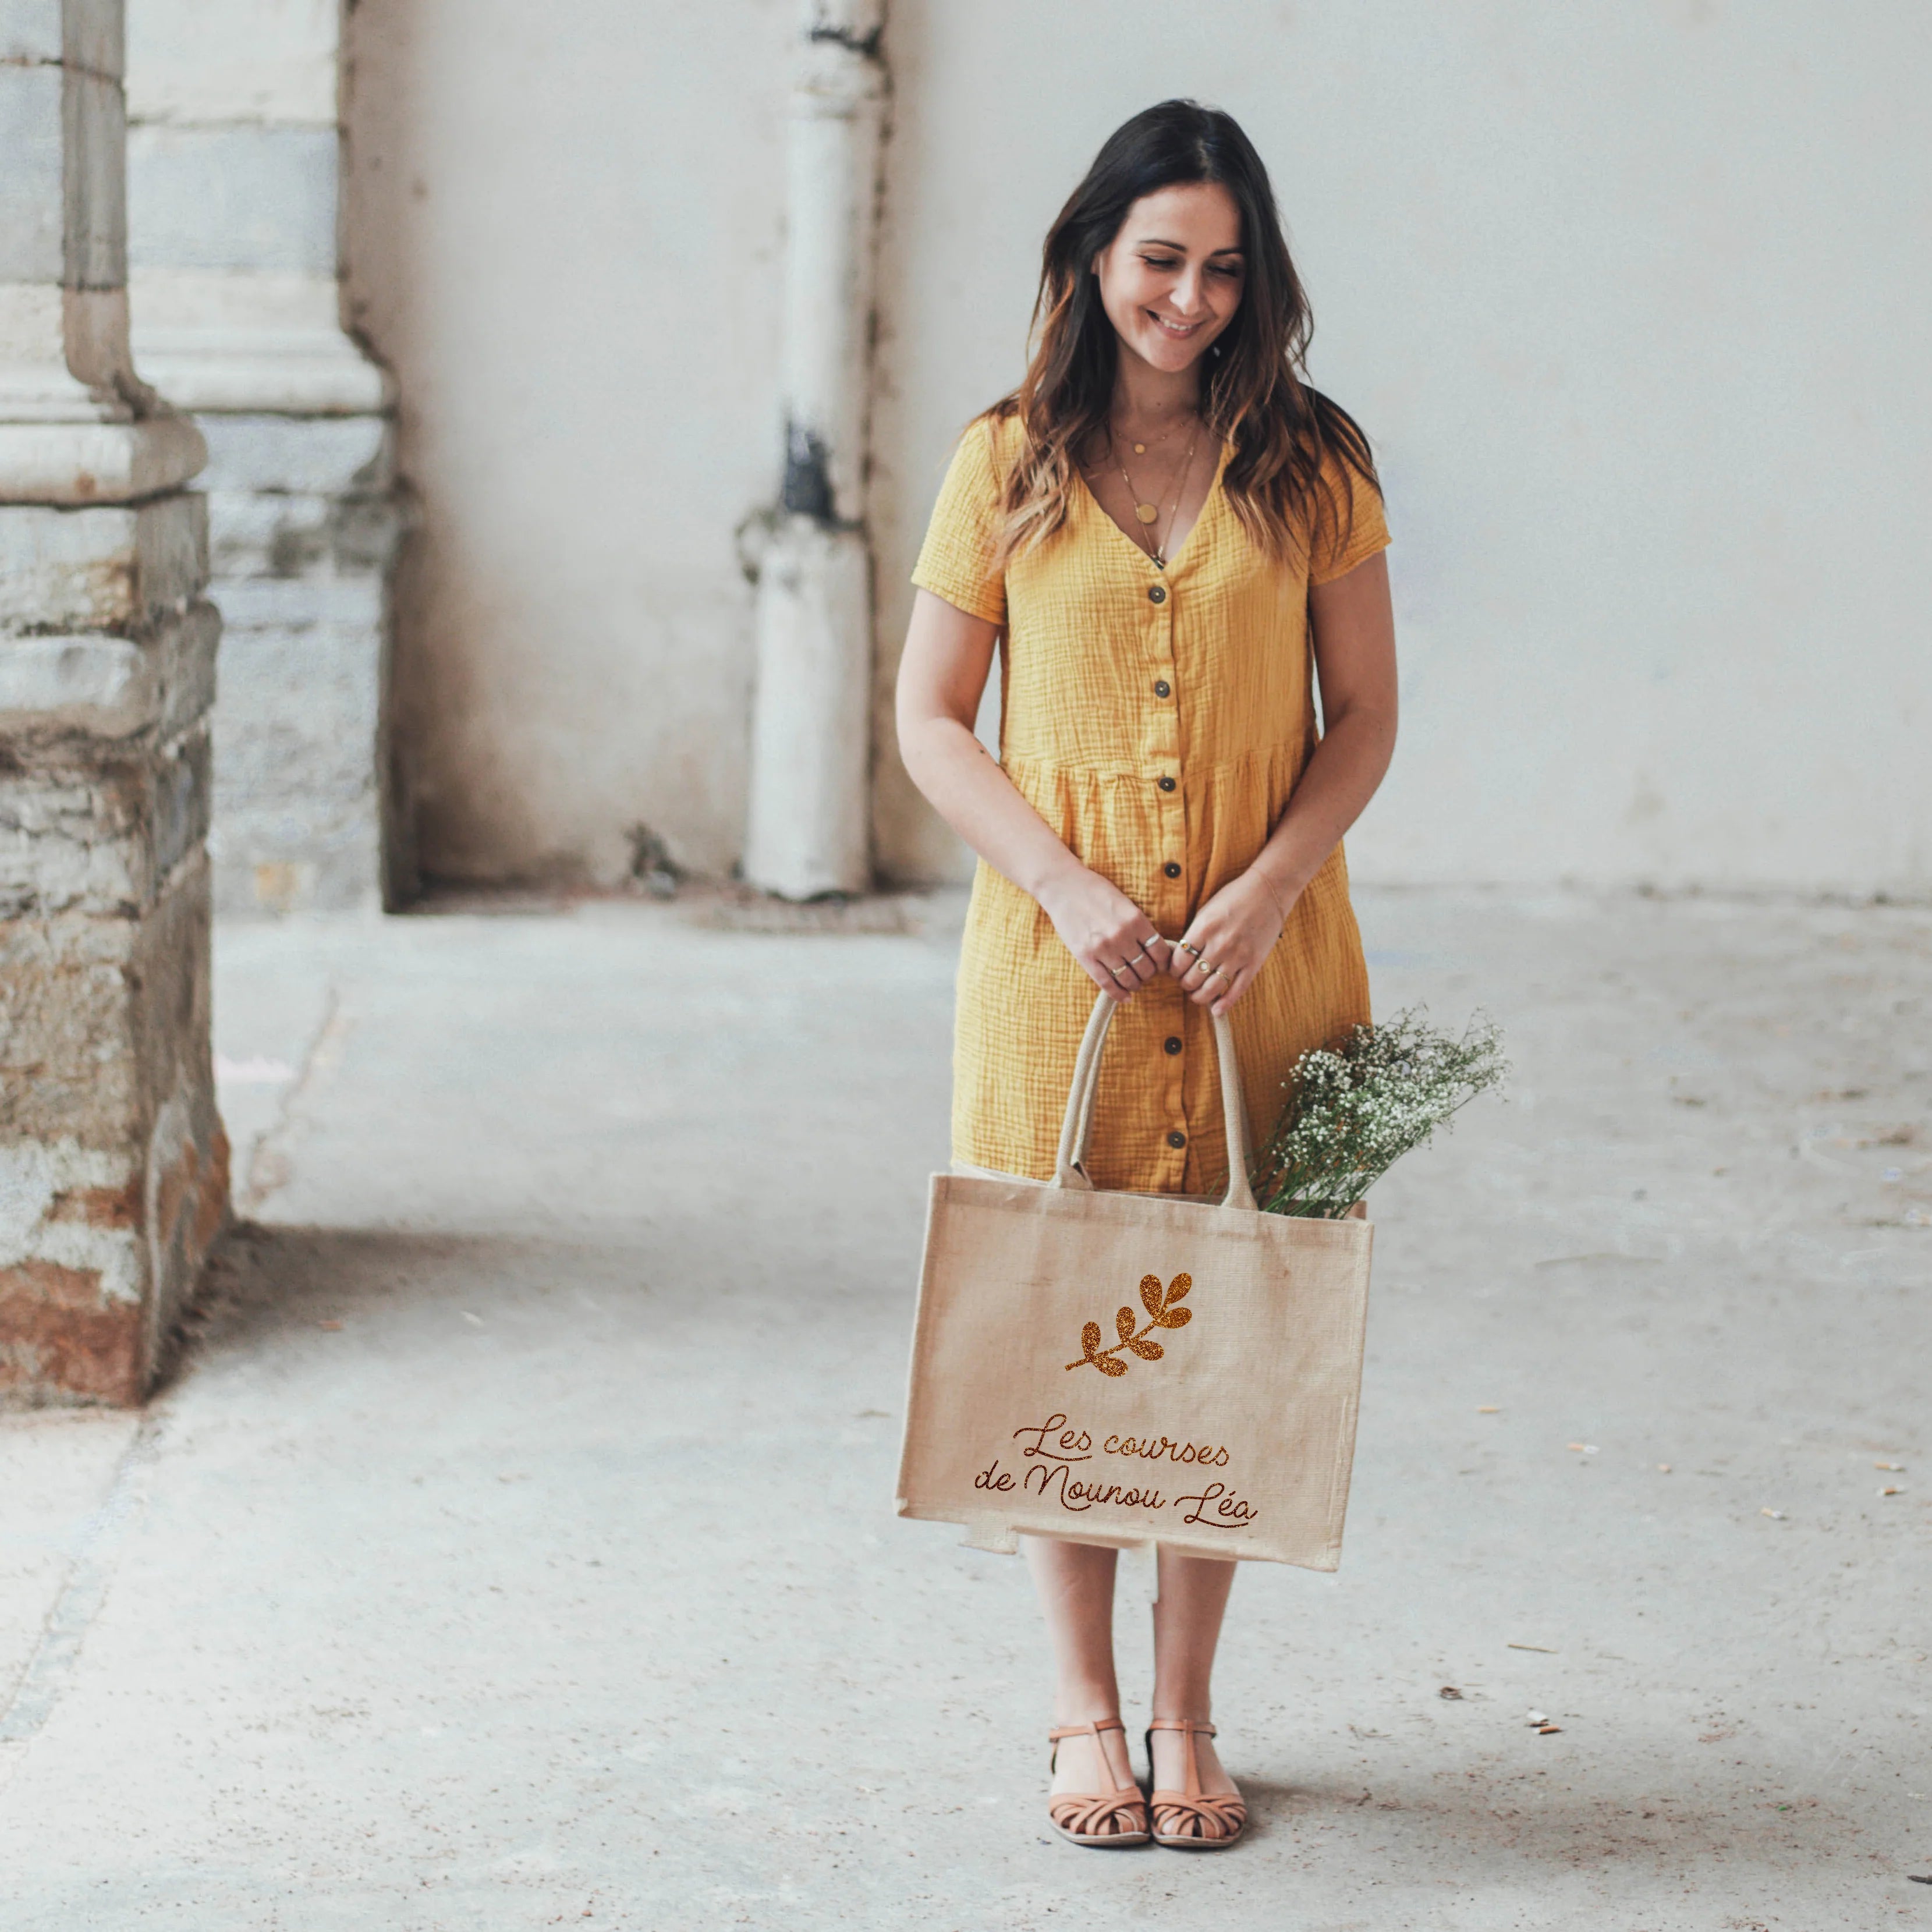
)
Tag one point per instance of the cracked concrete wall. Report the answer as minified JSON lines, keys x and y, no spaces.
{"x":233,"y":154}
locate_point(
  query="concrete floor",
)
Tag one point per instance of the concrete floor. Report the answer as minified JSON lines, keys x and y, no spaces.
{"x":515,"y":1548}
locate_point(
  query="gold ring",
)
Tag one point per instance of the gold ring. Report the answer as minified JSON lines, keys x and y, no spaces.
{"x":1195,"y":949}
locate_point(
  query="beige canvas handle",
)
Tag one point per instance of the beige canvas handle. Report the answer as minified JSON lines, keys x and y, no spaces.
{"x":1069,"y":1171}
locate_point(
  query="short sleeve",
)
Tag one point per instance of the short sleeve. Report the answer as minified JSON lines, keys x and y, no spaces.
{"x":956,"y":562}
{"x":1353,"y":539}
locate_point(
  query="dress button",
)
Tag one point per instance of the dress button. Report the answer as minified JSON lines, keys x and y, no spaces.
{"x":1172,"y":871}
{"x":1177,"y":1140}
{"x":1173,"y":1043}
{"x":1157,"y":593}
{"x":1161,"y":688}
{"x":1165,"y":784}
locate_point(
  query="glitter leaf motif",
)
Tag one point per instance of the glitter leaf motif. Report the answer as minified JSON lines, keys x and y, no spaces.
{"x":1168,"y":1316}
{"x":1162,"y":1313}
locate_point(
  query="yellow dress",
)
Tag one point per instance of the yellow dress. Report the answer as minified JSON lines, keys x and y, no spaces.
{"x":1158,"y":721}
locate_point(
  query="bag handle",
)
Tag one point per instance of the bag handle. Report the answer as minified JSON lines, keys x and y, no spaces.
{"x":1069,"y":1171}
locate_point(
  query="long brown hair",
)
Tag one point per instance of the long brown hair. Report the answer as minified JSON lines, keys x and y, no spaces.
{"x":1283,"y":432}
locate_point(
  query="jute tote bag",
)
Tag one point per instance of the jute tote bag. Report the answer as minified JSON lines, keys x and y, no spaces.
{"x":1126,"y":1369}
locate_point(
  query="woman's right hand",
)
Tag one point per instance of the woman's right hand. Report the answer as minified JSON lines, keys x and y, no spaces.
{"x":942,"y":674}
{"x":1113,"y":940}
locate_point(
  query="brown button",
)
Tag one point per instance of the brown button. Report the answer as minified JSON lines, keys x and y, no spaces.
{"x":1173,"y":1043}
{"x":1161,"y":688}
{"x":1172,"y":871}
{"x":1157,"y":593}
{"x":1177,"y":1140}
{"x":1165,"y":784}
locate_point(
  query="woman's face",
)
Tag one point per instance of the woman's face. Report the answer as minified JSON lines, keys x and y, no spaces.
{"x":1171,"y":279}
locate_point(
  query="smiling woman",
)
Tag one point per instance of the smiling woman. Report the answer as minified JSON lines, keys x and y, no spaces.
{"x":1163,"y":530}
{"x":1168,"y":271}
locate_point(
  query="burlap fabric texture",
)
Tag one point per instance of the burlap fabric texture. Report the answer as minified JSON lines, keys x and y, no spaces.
{"x":1126,"y":1369}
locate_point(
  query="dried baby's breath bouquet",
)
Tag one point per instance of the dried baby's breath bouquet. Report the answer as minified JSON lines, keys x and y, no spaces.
{"x":1353,"y":1110}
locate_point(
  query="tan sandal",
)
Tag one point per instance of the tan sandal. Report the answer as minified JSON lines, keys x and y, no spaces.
{"x":1108,"y":1821}
{"x":1194,"y":1820}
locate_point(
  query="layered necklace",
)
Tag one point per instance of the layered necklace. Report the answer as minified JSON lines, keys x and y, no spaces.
{"x":1148,"y":513}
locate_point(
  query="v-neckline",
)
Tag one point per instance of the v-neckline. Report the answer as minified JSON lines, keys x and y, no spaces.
{"x":1207,"y":503}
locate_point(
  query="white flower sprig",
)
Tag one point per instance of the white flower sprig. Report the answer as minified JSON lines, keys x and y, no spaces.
{"x":1352,"y":1110}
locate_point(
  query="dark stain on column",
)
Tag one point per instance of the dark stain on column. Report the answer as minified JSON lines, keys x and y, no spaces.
{"x":807,"y":478}
{"x":865,"y":45}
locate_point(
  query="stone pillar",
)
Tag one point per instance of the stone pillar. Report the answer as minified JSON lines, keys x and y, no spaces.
{"x":233,"y":167}
{"x":808,"y":830}
{"x":113,"y":1166}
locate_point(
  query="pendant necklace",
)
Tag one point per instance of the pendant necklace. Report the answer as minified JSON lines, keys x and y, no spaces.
{"x":1149,"y":514}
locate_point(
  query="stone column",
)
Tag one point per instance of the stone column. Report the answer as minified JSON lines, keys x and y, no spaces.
{"x":113,"y":1166}
{"x":233,"y":167}
{"x":808,"y":832}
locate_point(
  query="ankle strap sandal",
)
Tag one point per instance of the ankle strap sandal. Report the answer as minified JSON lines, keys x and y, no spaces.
{"x":1108,"y":1820}
{"x":1194,"y":1820}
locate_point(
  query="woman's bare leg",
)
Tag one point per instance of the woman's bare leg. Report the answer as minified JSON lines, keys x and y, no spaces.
{"x":1186,"y":1628}
{"x":1075,"y":1582}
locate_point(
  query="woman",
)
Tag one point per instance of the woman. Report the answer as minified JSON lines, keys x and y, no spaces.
{"x":1164,"y":523}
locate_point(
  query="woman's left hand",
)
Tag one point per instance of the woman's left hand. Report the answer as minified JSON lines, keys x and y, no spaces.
{"x":1228,"y":940}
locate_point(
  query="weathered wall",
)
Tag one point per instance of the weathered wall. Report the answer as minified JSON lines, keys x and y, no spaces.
{"x":563,"y":236}
{"x":1628,"y":298}
{"x":232,"y":164}
{"x":113,"y":1164}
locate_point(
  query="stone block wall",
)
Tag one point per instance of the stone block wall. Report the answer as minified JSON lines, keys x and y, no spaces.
{"x":113,"y":1164}
{"x":303,"y":522}
{"x":232,"y":164}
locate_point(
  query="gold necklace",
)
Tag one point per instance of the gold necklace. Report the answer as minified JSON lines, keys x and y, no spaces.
{"x":1141,"y":448}
{"x":1150,"y":513}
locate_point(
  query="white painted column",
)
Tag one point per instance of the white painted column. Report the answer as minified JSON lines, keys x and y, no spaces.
{"x":807,"y":831}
